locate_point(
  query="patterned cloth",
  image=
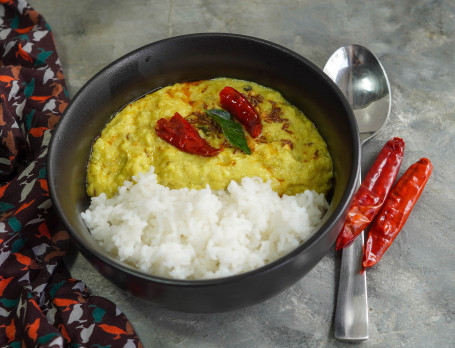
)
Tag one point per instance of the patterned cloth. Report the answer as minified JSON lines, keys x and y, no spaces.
{"x":40,"y":305}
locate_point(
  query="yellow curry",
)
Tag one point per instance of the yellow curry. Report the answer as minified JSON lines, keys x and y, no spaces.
{"x":289,"y":152}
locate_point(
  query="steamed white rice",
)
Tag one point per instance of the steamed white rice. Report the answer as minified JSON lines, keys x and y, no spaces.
{"x":201,"y":234}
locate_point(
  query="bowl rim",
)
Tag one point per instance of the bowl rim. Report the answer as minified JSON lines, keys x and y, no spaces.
{"x":326,"y":225}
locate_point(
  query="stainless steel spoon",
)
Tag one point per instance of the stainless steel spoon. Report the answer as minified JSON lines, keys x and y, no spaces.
{"x":363,"y":81}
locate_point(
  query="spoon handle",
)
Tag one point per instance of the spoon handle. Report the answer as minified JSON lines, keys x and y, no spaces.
{"x":351,"y":317}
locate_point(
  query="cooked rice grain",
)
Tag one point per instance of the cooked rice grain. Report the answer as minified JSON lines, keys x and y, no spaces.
{"x":201,"y":234}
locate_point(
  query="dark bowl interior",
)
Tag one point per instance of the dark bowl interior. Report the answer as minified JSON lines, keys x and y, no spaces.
{"x":195,"y":57}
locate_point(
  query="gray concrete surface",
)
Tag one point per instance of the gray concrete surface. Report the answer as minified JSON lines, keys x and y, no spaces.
{"x":412,"y":290}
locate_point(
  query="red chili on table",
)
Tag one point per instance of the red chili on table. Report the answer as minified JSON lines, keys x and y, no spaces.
{"x":372,"y":192}
{"x":396,"y":210}
{"x":180,"y":133}
{"x":234,"y":102}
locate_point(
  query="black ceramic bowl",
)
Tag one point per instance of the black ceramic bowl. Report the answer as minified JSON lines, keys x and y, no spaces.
{"x":196,"y":57}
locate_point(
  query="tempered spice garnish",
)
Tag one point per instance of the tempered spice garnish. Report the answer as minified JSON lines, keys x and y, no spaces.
{"x":272,"y":147}
{"x":239,"y":107}
{"x":287,"y":142}
{"x":261,"y":139}
{"x":285,"y":127}
{"x":227,"y":144}
{"x":254,"y":98}
{"x":178,"y":132}
{"x":204,"y":122}
{"x":233,"y":131}
{"x":275,"y":114}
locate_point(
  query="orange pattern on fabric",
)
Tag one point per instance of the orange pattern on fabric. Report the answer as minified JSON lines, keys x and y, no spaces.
{"x":24,"y":30}
{"x":10,"y":144}
{"x":44,"y":230}
{"x":38,"y":131}
{"x":63,"y":302}
{"x":114,"y":330}
{"x":23,"y":54}
{"x":4,"y":283}
{"x":43,"y":183}
{"x":10,"y":331}
{"x":64,"y":332}
{"x":7,"y":79}
{"x":24,"y":206}
{"x":33,"y":329}
{"x":41,"y":99}
{"x":25,"y":260}
{"x":3,"y":189}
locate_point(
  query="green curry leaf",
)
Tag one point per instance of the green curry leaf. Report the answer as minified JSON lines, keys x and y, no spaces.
{"x":233,"y":131}
{"x":220,"y":113}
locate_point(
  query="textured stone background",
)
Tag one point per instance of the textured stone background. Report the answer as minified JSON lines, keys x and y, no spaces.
{"x":412,"y":290}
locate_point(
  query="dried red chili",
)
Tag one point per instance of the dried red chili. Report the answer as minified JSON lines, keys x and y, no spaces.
{"x":180,"y":133}
{"x":234,"y":102}
{"x":372,"y":192}
{"x":396,"y":210}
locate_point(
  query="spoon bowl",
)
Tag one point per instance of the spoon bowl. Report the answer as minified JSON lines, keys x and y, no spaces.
{"x":363,"y":81}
